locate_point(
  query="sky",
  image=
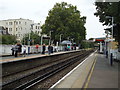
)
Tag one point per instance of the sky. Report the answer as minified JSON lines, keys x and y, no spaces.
{"x":37,"y":10}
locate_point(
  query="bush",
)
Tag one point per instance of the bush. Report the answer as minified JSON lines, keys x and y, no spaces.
{"x":7,"y":39}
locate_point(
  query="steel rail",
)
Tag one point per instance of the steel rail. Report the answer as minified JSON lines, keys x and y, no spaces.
{"x":40,"y":78}
{"x":49,"y":74}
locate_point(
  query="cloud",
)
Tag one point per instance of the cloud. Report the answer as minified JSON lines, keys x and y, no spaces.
{"x":37,"y":10}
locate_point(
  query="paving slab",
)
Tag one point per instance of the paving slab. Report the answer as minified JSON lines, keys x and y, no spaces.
{"x":104,"y":75}
{"x":95,"y":72}
{"x":77,"y":77}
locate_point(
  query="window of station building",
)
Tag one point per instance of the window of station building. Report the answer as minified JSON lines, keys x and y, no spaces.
{"x":16,"y":23}
{"x":19,"y":22}
{"x":25,"y":23}
{"x":10,"y":23}
{"x":10,"y":29}
{"x":6,"y":23}
{"x":36,"y":27}
{"x":16,"y":29}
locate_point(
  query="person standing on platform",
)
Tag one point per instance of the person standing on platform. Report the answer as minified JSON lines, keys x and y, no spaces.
{"x":37,"y":46}
{"x":19,"y":49}
{"x":16,"y":50}
{"x":68,"y":47}
{"x":56,"y":49}
{"x":43,"y":49}
{"x":13,"y":50}
{"x":24,"y":51}
{"x":49,"y":49}
{"x":65,"y":48}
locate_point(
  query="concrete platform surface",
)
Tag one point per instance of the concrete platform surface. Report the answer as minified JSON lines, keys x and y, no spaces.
{"x":104,"y":75}
{"x":12,"y":58}
{"x":77,"y":77}
{"x":94,"y":72}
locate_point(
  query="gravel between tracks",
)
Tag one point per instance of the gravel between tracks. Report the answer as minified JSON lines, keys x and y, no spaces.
{"x":52,"y":80}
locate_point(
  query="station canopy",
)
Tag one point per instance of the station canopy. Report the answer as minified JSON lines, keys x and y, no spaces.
{"x":100,"y":39}
{"x":66,"y":42}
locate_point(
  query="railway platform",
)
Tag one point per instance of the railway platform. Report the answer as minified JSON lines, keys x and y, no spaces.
{"x":94,"y":72}
{"x":9,"y":58}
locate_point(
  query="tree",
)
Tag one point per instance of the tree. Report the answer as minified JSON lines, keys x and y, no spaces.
{"x":91,"y":38}
{"x":34,"y":38}
{"x":65,"y":19}
{"x":7,"y":39}
{"x":109,"y":9}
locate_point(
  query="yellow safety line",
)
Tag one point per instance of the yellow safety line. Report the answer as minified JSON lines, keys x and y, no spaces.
{"x":89,"y":77}
{"x":27,"y":57}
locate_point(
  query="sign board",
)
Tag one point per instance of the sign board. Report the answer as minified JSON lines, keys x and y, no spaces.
{"x":114,"y":45}
{"x":108,"y":40}
{"x":46,"y":37}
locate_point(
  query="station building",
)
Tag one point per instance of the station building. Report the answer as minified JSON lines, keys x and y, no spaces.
{"x":20,"y":27}
{"x":36,"y":28}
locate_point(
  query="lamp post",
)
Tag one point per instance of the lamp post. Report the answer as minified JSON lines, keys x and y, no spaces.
{"x":111,"y":54}
{"x":60,"y":41}
{"x":60,"y":37}
{"x":14,"y":27}
{"x":29,"y":39}
{"x":106,"y":43}
{"x":41,"y":42}
{"x":29,"y":43}
{"x":72,"y":39}
{"x":50,"y":37}
{"x":112,"y":23}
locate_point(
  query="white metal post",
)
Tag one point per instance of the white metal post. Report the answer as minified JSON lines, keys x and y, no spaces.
{"x":41,"y":42}
{"x":50,"y":37}
{"x":60,"y":41}
{"x":29,"y":40}
{"x":111,"y":51}
{"x":112,"y":26}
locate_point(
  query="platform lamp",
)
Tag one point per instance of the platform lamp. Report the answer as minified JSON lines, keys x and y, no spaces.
{"x":41,"y":42}
{"x":109,"y":17}
{"x":50,"y":37}
{"x":29,"y":38}
{"x":106,"y":42}
{"x":60,"y":41}
{"x":111,"y":54}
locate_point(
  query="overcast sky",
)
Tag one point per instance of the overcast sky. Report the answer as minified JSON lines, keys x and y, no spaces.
{"x":37,"y":10}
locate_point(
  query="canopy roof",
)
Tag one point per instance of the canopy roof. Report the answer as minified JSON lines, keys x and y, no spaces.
{"x":66,"y":42}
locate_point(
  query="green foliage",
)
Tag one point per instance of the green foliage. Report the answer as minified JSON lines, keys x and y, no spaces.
{"x":109,"y":9}
{"x":86,"y":45}
{"x":65,"y":19}
{"x":91,"y":38}
{"x":34,"y":39}
{"x":7,"y":39}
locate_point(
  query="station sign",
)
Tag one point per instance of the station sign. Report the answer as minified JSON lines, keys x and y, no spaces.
{"x":109,"y":40}
{"x":100,"y":40}
{"x":46,"y":37}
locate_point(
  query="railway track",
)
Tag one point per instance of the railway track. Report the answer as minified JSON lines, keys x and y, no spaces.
{"x":30,"y":80}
